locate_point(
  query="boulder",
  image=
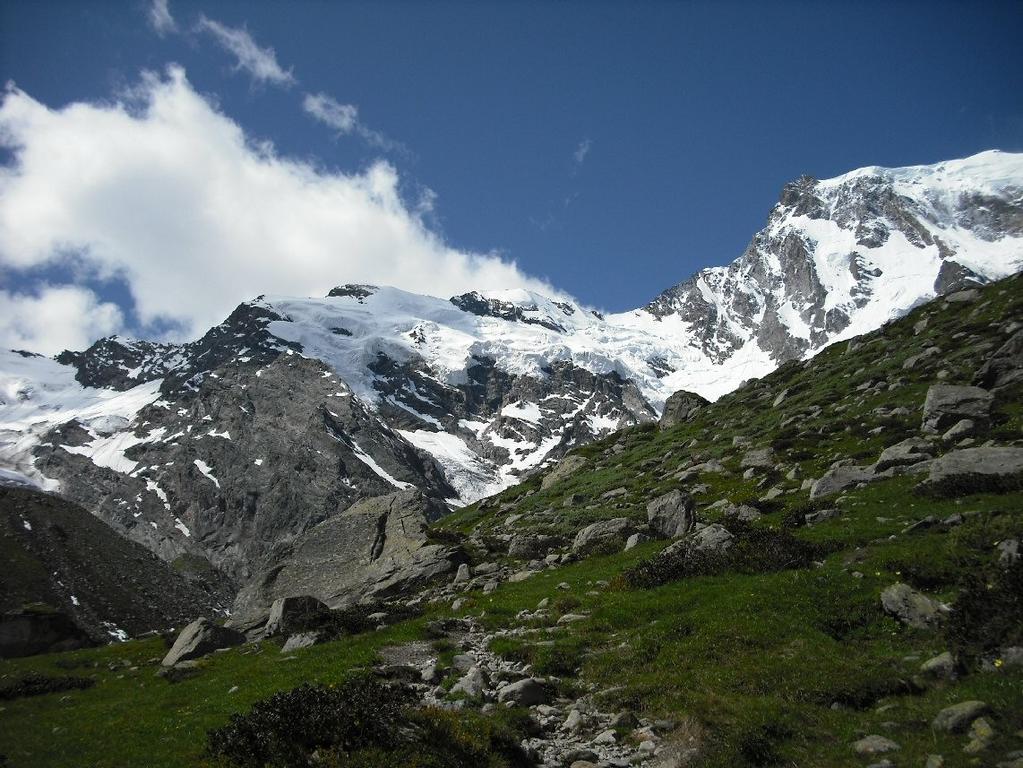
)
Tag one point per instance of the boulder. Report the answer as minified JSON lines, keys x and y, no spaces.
{"x":957,"y":718}
{"x":376,"y":549}
{"x":758,"y":458}
{"x":976,"y":470}
{"x":1008,"y":552}
{"x":1005,"y":366}
{"x":524,"y":693}
{"x":908,"y":452}
{"x":941,"y":666}
{"x":840,"y":479}
{"x":300,"y":640}
{"x":566,"y":467}
{"x":472,"y":684}
{"x":671,"y":515}
{"x":680,"y":407}
{"x":199,"y":638}
{"x":947,"y":404}
{"x":602,"y":535}
{"x":290,"y":615}
{"x":911,"y":607}
{"x":712,"y":539}
{"x":874,"y":745}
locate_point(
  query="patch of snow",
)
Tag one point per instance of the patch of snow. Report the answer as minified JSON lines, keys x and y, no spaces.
{"x":203,"y":467}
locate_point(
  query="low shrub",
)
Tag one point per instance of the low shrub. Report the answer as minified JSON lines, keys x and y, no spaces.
{"x":35,"y":684}
{"x":755,"y":549}
{"x":987,"y":614}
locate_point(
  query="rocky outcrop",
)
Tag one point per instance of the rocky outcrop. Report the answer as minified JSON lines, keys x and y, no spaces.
{"x":946,"y":405}
{"x":290,"y":615}
{"x":374,"y":550}
{"x":975,"y":470}
{"x":681,"y":407}
{"x":840,"y":479}
{"x":32,"y":630}
{"x":200,"y":638}
{"x":1005,"y":366}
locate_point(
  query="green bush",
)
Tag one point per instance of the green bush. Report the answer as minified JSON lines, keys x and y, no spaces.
{"x":34,"y":684}
{"x":987,"y":614}
{"x":755,"y":549}
{"x":286,"y":728}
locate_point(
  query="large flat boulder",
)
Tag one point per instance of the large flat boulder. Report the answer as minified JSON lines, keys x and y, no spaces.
{"x":976,"y":470}
{"x":374,"y":550}
{"x":840,"y":479}
{"x":200,"y":638}
{"x":947,"y":404}
{"x":567,"y":467}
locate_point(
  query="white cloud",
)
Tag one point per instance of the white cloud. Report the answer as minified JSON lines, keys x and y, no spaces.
{"x":260,"y":63}
{"x":54,"y":318}
{"x":160,"y":18}
{"x":171,"y":196}
{"x":341,"y":117}
{"x":344,"y":119}
{"x":582,"y":151}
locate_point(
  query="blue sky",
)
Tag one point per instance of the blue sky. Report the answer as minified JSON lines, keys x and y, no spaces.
{"x":609,"y":149}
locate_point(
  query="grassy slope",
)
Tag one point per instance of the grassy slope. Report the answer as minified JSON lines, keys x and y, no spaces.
{"x":754,"y":662}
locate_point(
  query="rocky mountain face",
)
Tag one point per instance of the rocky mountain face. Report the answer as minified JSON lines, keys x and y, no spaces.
{"x":217,"y":451}
{"x":82,"y":583}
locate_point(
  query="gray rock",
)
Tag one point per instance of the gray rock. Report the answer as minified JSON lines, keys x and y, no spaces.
{"x":376,"y":549}
{"x":742,"y":512}
{"x":567,"y":467}
{"x":813,"y":518}
{"x":681,"y":407}
{"x":199,"y":638}
{"x":874,"y":745}
{"x":1008,"y":552}
{"x":911,"y":607}
{"x":472,"y":684}
{"x":715,"y":538}
{"x":289,"y":615}
{"x":840,"y":479}
{"x":634,"y":540}
{"x":602,"y":534}
{"x":908,"y":452}
{"x":462,"y":574}
{"x":961,"y":429}
{"x":300,"y":640}
{"x":974,"y":470}
{"x":758,"y":458}
{"x":524,"y":693}
{"x":957,"y":718}
{"x":941,"y":666}
{"x":1005,"y":366}
{"x":671,"y":515}
{"x":947,"y":404}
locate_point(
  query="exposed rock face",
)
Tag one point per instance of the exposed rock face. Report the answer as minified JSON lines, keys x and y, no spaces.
{"x":200,"y":638}
{"x":681,"y":407}
{"x":975,"y":470}
{"x":945,"y":405}
{"x":290,"y":615}
{"x":375,"y":549}
{"x":907,"y":453}
{"x":108,"y":587}
{"x":1005,"y":366}
{"x":254,"y":456}
{"x":565,"y":468}
{"x":671,"y":515}
{"x":28,"y":632}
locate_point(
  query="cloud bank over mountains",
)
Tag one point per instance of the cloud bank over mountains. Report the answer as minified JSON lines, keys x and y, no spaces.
{"x":168,"y":195}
